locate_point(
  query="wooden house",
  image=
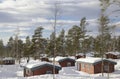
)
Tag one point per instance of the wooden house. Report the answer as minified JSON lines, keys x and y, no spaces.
{"x":40,"y":68}
{"x":80,"y":55}
{"x":113,"y":55}
{"x":44,"y":59}
{"x":8,"y":61}
{"x":94,"y":65}
{"x":64,"y":61}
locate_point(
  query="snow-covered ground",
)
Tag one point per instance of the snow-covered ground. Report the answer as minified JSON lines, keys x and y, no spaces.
{"x":16,"y":72}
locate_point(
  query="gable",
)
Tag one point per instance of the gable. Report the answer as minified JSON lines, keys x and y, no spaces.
{"x":110,"y":61}
{"x":44,"y":66}
{"x":113,"y":53}
{"x":94,"y":61}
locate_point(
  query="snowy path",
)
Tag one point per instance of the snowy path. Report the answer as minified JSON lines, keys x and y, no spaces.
{"x":9,"y":71}
{"x":69,"y":71}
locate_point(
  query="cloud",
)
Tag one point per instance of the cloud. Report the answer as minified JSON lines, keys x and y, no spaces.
{"x":29,"y":14}
{"x":7,"y":31}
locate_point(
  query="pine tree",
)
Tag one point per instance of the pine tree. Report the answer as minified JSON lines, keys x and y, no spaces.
{"x":1,"y":52}
{"x":50,"y":45}
{"x":72,"y":40}
{"x":118,"y":44}
{"x":10,"y":47}
{"x":60,"y":43}
{"x":27,"y":48}
{"x":83,"y":24}
{"x":1,"y":49}
{"x":75,"y":38}
{"x":18,"y":43}
{"x":37,"y":41}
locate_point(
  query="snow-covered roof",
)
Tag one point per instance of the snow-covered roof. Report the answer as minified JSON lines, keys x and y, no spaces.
{"x":81,"y":54}
{"x":89,"y":60}
{"x":58,"y":58}
{"x":43,"y":55}
{"x":8,"y":58}
{"x":91,"y":54}
{"x":92,"y":60}
{"x":36,"y":64}
{"x":72,"y":57}
{"x":114,"y":53}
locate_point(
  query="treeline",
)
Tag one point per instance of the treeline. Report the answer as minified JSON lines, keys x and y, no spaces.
{"x":75,"y":41}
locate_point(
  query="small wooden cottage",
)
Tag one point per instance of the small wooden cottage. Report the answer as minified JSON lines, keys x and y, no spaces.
{"x":113,"y":55}
{"x":80,"y":55}
{"x":64,"y":61}
{"x":40,"y":68}
{"x":94,"y":65}
{"x":8,"y":61}
{"x":44,"y":59}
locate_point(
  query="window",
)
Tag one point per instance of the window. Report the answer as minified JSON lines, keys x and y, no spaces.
{"x":106,"y":68}
{"x":48,"y":72}
{"x":88,"y":66}
{"x":6,"y":61}
{"x":28,"y":71}
{"x":82,"y":65}
{"x":68,"y":64}
{"x":10,"y":61}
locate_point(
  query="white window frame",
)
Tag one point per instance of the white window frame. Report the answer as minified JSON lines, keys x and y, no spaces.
{"x":88,"y":66}
{"x":69,"y":64}
{"x":28,"y":71}
{"x":82,"y":65}
{"x":49,"y":72}
{"x":106,"y":68}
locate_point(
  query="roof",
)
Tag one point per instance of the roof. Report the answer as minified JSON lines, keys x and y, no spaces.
{"x":114,"y":53}
{"x":43,"y":55}
{"x":36,"y":65}
{"x":8,"y":58}
{"x":111,"y":61}
{"x":81,"y":54}
{"x":91,"y":60}
{"x":59,"y":58}
{"x":90,"y":54}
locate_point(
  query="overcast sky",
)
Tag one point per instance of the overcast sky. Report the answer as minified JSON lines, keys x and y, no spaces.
{"x":29,"y":14}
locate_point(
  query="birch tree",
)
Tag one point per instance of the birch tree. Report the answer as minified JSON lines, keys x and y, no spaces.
{"x":104,"y":29}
